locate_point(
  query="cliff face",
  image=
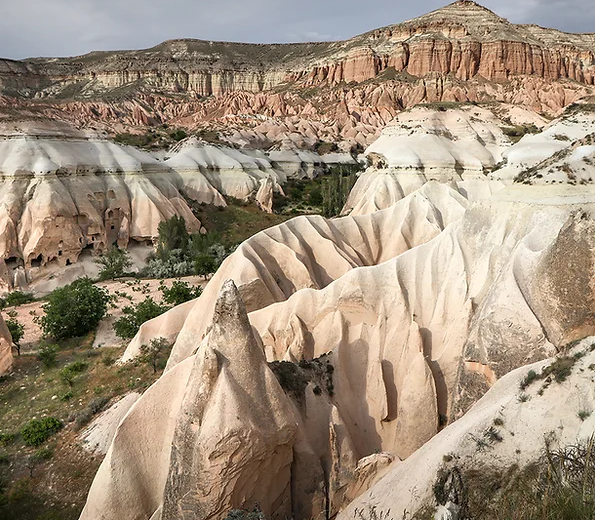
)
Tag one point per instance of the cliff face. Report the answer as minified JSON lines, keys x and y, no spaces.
{"x":462,"y":39}
{"x":462,"y":52}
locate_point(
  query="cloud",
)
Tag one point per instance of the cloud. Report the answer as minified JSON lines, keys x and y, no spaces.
{"x":66,"y":28}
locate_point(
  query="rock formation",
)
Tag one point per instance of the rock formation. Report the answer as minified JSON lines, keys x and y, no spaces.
{"x":414,"y":336}
{"x":67,"y":193}
{"x":5,"y":347}
{"x":523,"y":429}
{"x":332,"y":91}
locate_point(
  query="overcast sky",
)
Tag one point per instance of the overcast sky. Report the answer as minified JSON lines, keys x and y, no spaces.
{"x":30,"y":28}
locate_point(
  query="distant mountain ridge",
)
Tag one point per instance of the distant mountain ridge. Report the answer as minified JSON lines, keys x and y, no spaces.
{"x":462,"y":52}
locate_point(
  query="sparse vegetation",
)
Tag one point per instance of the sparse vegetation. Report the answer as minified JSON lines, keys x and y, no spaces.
{"x":135,"y":315}
{"x":179,"y":292}
{"x":47,"y":354}
{"x":16,"y":329}
{"x":154,"y":354}
{"x":16,"y":298}
{"x":70,"y":372}
{"x":560,"y":486}
{"x":516,"y":132}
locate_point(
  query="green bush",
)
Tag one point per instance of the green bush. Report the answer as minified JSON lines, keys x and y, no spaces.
{"x":6,"y":438}
{"x":69,"y":372}
{"x":153,"y":352}
{"x":47,"y":355}
{"x":17,"y":331}
{"x":16,"y":298}
{"x":179,"y":292}
{"x":37,"y":431}
{"x":172,"y":235}
{"x":74,"y":310}
{"x":178,"y":135}
{"x":114,"y":263}
{"x":134,"y":316}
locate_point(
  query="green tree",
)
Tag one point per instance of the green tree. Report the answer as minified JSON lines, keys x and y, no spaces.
{"x":179,"y":292}
{"x":153,"y":352}
{"x":134,"y":316}
{"x":114,"y":263}
{"x":204,"y":265}
{"x":336,"y":190}
{"x":16,"y":329}
{"x":172,"y":235}
{"x":74,"y":310}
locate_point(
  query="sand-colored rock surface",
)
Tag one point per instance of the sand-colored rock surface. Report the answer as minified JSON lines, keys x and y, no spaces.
{"x":98,"y":436}
{"x":309,"y":252}
{"x":525,"y":427}
{"x":560,"y":154}
{"x":413,"y":337}
{"x":67,"y":193}
{"x":5,"y":347}
{"x":458,"y":145}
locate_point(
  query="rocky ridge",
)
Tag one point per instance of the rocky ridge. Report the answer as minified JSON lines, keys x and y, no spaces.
{"x":265,"y":94}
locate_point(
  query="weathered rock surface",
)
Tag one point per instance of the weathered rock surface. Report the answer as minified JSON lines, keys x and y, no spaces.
{"x":563,"y":153}
{"x":459,"y":145}
{"x":525,"y":427}
{"x":98,"y":436}
{"x":5,"y":347}
{"x":308,"y":252}
{"x":334,"y":91}
{"x":67,"y":193}
{"x":410,"y":336}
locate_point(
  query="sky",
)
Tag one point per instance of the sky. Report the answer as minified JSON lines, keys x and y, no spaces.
{"x":32,"y":28}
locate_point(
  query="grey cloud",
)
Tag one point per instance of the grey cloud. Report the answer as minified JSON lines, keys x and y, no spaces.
{"x":64,"y":27}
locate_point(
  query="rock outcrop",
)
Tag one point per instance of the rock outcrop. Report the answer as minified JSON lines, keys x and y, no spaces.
{"x":342,"y":91}
{"x":5,"y":347}
{"x":308,"y":252}
{"x":371,"y":352}
{"x":514,"y":431}
{"x":67,"y":193}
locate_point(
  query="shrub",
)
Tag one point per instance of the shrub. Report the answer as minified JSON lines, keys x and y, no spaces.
{"x":43,"y":454}
{"x":47,"y":355}
{"x":172,"y":235}
{"x":127,"y":326}
{"x":6,"y":438}
{"x":69,"y":372}
{"x":17,"y":331}
{"x":178,"y":135}
{"x":244,"y":514}
{"x":74,"y":310}
{"x":179,"y":292}
{"x":152,"y":353}
{"x":37,"y":431}
{"x":114,"y":263}
{"x":16,"y":298}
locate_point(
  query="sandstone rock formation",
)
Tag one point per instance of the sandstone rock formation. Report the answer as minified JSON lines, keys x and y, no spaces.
{"x":332,"y":91}
{"x":561,"y":154}
{"x":5,"y":347}
{"x":308,"y":252}
{"x":413,"y":335}
{"x":67,"y":193}
{"x":456,"y":144}
{"x":525,"y":428}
